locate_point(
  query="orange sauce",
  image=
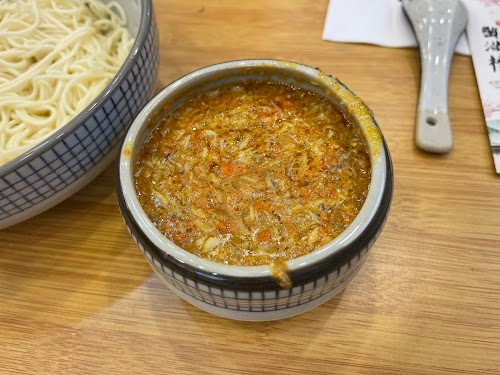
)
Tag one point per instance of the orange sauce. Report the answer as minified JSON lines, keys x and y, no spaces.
{"x":253,"y":173}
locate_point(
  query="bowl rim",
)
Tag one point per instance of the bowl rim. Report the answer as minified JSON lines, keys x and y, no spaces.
{"x":361,"y":231}
{"x":146,"y":7}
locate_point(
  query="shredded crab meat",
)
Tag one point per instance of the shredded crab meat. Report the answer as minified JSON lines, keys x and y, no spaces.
{"x":253,"y":173}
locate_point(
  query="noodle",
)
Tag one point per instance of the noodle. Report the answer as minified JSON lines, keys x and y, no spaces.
{"x":56,"y":56}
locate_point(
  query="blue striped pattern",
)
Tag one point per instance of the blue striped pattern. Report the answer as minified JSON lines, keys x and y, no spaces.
{"x":87,"y":147}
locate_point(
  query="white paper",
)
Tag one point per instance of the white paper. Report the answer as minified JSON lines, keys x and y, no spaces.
{"x":483,"y":32}
{"x":381,"y":22}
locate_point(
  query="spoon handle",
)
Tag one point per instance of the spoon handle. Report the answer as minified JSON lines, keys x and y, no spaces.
{"x":437,"y":25}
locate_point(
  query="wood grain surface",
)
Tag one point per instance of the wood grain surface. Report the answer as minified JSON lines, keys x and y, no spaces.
{"x":77,"y":296}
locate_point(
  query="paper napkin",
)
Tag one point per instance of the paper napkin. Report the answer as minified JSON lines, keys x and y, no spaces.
{"x":381,"y":22}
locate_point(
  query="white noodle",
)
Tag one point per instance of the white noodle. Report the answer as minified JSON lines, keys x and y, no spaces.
{"x":56,"y":56}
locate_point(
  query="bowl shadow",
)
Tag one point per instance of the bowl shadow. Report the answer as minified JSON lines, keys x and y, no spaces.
{"x":219,"y":333}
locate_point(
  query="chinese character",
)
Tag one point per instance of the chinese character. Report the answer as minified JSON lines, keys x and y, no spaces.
{"x":492,"y":45}
{"x":494,"y":62}
{"x":490,"y":32}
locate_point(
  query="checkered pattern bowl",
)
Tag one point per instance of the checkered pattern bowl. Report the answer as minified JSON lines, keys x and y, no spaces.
{"x":69,"y":159}
{"x":252,"y":293}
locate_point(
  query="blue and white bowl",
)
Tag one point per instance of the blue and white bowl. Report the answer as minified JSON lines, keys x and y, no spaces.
{"x":251,"y":292}
{"x":70,"y":158}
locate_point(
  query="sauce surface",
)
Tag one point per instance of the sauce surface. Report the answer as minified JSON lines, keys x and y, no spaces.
{"x":252,"y":173}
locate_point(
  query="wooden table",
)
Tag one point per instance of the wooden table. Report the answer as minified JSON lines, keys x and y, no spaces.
{"x":77,"y":296}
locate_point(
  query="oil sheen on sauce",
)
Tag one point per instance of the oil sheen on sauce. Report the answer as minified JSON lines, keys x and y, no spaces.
{"x":253,"y":173}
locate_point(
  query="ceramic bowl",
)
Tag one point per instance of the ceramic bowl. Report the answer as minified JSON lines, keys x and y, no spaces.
{"x":252,"y":293}
{"x":70,"y":158}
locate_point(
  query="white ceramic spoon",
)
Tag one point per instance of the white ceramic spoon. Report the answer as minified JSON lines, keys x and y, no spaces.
{"x":437,"y":25}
